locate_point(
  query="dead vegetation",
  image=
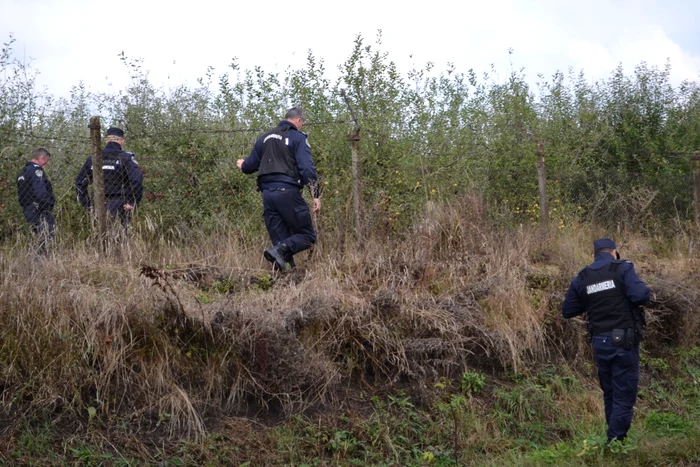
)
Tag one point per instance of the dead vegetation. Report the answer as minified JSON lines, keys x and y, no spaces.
{"x":165,"y":340}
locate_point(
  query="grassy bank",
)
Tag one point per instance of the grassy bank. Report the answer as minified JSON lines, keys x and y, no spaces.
{"x":443,"y":346}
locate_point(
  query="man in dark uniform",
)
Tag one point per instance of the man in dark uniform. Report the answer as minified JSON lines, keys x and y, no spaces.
{"x":282,"y":158}
{"x":36,"y":197}
{"x":122,"y":175}
{"x":611,"y":293}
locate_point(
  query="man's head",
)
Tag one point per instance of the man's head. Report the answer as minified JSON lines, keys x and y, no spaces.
{"x":41,"y":156}
{"x":605,"y":245}
{"x":296,"y":116}
{"x":116,"y":135}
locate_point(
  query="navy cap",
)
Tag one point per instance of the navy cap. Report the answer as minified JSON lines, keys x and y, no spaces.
{"x":604,"y":243}
{"x":114,"y":131}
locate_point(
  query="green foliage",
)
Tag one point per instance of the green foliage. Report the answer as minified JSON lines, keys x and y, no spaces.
{"x":472,"y":383}
{"x":612,"y":154}
{"x":659,"y":364}
{"x":665,"y":424}
{"x":614,"y":149}
{"x":263,"y":282}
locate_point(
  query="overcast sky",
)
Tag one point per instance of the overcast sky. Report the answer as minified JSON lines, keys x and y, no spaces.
{"x":70,"y":41}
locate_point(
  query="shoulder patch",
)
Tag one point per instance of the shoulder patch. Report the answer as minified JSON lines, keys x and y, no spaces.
{"x":39,"y":173}
{"x":307,"y":142}
{"x":133,"y":159}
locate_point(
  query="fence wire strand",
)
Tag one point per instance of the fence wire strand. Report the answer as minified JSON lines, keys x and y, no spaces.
{"x":193,"y":184}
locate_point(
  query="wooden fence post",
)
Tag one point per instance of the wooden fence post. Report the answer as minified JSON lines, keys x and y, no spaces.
{"x":542,"y":182}
{"x":356,"y":172}
{"x":696,"y":187}
{"x":541,"y":173}
{"x":98,"y":181}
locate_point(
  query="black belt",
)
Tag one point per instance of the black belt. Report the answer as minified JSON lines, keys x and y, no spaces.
{"x":603,"y":334}
{"x":282,"y":189}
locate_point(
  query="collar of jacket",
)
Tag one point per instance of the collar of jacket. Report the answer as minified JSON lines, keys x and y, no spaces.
{"x":287,"y":123}
{"x":601,"y":259}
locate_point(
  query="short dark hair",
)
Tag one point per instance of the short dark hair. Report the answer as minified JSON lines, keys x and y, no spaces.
{"x":603,"y":250}
{"x":294,"y":112}
{"x":39,"y":152}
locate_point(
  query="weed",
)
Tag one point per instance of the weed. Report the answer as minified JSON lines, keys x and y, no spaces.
{"x":472,"y":383}
{"x":263,"y":282}
{"x":665,"y":424}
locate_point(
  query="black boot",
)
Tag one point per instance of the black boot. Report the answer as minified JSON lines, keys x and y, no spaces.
{"x":278,"y":255}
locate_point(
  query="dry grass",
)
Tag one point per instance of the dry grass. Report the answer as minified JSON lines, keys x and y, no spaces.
{"x":88,"y":337}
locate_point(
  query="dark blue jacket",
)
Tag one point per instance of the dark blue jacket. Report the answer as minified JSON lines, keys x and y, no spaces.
{"x":300,"y":149}
{"x":636,"y":291}
{"x":124,"y":182}
{"x":34,"y":187}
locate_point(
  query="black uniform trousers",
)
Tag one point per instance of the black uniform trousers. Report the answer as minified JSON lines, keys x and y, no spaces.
{"x":115,"y":208}
{"x":288,"y":219}
{"x":42,"y":223}
{"x":618,"y":373}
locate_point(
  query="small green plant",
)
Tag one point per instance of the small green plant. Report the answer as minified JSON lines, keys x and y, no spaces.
{"x":592,"y":446}
{"x":553,"y":455}
{"x":223,"y":286}
{"x":342,"y":441}
{"x":659,"y":364}
{"x":204,"y":298}
{"x":400,"y":400}
{"x":86,"y":456}
{"x":263,"y":282}
{"x":622,"y":447}
{"x":472,"y":383}
{"x":665,"y":423}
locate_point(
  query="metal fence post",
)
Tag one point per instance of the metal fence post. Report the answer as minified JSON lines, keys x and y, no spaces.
{"x":98,"y":181}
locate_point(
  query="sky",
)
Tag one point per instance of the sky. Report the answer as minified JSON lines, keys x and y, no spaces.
{"x":74,"y":41}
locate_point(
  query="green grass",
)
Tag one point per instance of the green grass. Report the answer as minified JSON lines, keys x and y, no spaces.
{"x":546,"y":418}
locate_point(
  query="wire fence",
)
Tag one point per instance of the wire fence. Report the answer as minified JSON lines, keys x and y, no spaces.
{"x":190,"y":189}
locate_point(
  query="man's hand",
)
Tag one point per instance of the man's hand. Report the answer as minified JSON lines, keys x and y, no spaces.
{"x":127,"y":207}
{"x":239,"y":163}
{"x":317,"y":204}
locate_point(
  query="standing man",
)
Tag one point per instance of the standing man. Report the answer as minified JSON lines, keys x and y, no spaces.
{"x":123,"y":178}
{"x":36,"y":197}
{"x":611,"y":293}
{"x":282,"y":158}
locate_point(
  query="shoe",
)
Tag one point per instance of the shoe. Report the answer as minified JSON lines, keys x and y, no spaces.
{"x":277,"y":255}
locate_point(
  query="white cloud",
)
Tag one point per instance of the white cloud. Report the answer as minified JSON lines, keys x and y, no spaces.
{"x":74,"y":40}
{"x":632,"y":47}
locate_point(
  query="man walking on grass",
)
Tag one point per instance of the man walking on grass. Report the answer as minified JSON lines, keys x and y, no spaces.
{"x":282,"y":158}
{"x":611,"y":293}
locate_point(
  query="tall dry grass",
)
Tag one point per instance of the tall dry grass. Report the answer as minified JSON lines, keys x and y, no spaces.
{"x":164,"y":337}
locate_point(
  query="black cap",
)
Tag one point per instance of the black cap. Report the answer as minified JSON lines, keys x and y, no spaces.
{"x":604,"y":243}
{"x":114,"y":131}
